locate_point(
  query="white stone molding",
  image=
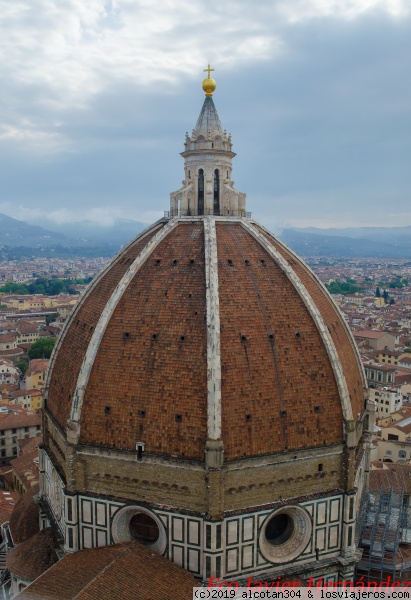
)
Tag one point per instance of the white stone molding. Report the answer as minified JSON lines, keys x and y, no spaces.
{"x":213,"y":331}
{"x":73,"y":428}
{"x":90,"y":288}
{"x":315,"y":314}
{"x":297,"y":542}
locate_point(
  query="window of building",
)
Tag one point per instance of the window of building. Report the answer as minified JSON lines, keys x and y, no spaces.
{"x":402,"y":454}
{"x":144,"y":529}
{"x":279,"y":529}
{"x":389,"y":452}
{"x":200,"y":192}
{"x":14,"y":430}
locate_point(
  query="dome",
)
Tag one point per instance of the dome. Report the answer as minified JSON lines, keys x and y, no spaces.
{"x":206,"y":328}
{"x":206,"y":397}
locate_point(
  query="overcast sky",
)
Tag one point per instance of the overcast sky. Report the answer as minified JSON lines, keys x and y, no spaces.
{"x":96,"y":98}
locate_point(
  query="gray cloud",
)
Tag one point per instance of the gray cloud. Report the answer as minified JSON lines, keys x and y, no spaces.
{"x":96,"y":99}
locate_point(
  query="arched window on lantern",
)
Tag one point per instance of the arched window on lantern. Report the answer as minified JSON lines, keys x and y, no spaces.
{"x":201,"y":192}
{"x":216,"y":192}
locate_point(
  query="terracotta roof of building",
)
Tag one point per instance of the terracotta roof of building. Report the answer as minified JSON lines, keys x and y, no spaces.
{"x":37,"y":365}
{"x":8,"y":501}
{"x":26,"y":468}
{"x":8,"y":387}
{"x":11,"y":352}
{"x":23,"y":419}
{"x":384,"y":367}
{"x":7,"y":337}
{"x":405,"y":412}
{"x":29,"y":444}
{"x":128,"y":570}
{"x":272,"y":350}
{"x":32,"y":558}
{"x":405,"y":428}
{"x":24,"y":520}
{"x":390,"y":475}
{"x":401,"y":378}
{"x":369,"y":334}
{"x":27,"y":327}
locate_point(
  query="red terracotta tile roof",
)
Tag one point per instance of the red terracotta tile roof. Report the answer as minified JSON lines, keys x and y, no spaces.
{"x":130,"y":571}
{"x":391,"y":475}
{"x":369,"y":334}
{"x":261,"y":376}
{"x":8,"y":501}
{"x":24,"y":520}
{"x":23,"y":419}
{"x":80,"y":327}
{"x":31,"y":558}
{"x":26,"y":467}
{"x":29,"y":444}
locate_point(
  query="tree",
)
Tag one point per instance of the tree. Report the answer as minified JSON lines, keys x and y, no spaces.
{"x":42,"y":348}
{"x":377,"y":292}
{"x":51,"y":318}
{"x":385,"y":295}
{"x":339,"y":287}
{"x":22,"y":365}
{"x":392,"y":301}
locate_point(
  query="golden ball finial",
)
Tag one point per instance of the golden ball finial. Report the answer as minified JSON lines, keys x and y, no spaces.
{"x":209,"y":85}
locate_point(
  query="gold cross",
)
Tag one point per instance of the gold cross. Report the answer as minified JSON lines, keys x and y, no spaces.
{"x":208,"y":70}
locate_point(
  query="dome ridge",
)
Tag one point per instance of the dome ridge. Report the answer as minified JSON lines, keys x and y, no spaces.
{"x":320,"y":284}
{"x":213,"y":331}
{"x":315,"y":314}
{"x":92,"y":285}
{"x":88,"y":362}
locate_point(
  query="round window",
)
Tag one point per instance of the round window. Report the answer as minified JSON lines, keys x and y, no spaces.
{"x":144,"y":529}
{"x":279,"y":529}
{"x":140,"y":524}
{"x":285,"y":534}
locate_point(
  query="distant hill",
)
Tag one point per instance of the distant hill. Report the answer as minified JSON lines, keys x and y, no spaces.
{"x":84,"y":235}
{"x":19,"y":233}
{"x":86,"y":232}
{"x":367,"y":242}
{"x":90,"y":239}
